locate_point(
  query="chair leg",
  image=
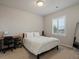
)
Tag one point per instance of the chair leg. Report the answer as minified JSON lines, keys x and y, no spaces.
{"x":12,"y":49}
{"x":3,"y":51}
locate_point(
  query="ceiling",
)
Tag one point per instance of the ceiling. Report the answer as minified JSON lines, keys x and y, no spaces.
{"x":49,"y":5}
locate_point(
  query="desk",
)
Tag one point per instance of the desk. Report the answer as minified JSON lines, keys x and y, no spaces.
{"x":7,"y":41}
{"x":1,"y":44}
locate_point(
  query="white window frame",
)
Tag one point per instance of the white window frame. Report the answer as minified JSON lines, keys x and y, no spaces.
{"x":63,"y":34}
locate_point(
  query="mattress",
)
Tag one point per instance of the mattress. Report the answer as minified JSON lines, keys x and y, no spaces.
{"x":40,"y":44}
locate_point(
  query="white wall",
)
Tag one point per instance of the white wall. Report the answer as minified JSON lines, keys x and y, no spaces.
{"x":72,"y":16}
{"x":14,"y":20}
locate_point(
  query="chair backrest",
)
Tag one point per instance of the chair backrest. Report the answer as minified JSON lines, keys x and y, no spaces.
{"x":20,"y":35}
{"x":1,"y":34}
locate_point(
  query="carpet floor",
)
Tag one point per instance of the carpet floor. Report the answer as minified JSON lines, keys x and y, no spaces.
{"x":62,"y":53}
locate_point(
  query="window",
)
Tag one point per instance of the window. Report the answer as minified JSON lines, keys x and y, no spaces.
{"x":58,"y":25}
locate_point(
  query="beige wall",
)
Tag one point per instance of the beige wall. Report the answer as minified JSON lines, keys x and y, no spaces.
{"x":72,"y":16}
{"x":14,"y":20}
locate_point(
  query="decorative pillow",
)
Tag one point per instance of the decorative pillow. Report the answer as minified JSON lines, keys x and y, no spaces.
{"x":29,"y":34}
{"x":36,"y":34}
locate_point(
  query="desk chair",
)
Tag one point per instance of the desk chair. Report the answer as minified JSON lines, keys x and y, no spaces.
{"x":8,"y":43}
{"x":19,"y":40}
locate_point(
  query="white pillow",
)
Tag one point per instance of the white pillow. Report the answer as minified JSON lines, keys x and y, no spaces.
{"x":29,"y":34}
{"x":36,"y":34}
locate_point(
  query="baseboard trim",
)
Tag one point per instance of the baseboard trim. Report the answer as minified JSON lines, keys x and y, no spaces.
{"x":68,"y":46}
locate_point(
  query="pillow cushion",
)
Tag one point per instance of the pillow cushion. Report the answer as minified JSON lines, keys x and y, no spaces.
{"x":36,"y":34}
{"x":29,"y":34}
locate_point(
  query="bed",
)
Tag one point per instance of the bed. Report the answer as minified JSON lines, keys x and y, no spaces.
{"x":37,"y":44}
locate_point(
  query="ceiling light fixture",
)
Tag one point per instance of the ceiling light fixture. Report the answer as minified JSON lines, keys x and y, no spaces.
{"x":40,"y":3}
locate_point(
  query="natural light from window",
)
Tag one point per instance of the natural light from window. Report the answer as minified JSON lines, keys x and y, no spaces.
{"x":58,"y":25}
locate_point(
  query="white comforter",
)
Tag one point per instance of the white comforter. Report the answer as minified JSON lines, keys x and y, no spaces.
{"x":40,"y":44}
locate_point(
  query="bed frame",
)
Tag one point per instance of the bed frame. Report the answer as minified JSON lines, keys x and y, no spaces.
{"x":38,"y":56}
